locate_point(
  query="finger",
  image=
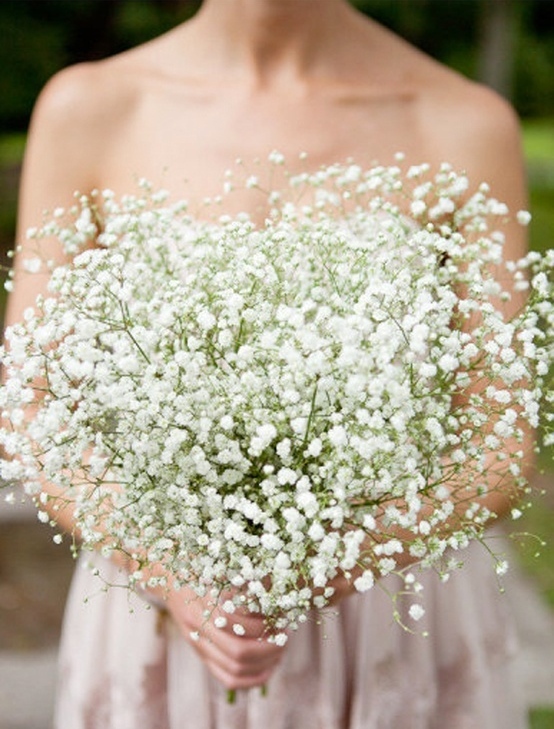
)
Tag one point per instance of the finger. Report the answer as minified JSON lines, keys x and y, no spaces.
{"x":239,"y":668}
{"x":242,"y":657}
{"x":247,"y":625}
{"x":246,"y":654}
{"x":231,"y":681}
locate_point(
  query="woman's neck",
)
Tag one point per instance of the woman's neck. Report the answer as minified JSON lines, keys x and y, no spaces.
{"x":274,"y":39}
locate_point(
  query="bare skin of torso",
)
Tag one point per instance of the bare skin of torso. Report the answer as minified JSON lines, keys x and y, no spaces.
{"x":242,"y":78}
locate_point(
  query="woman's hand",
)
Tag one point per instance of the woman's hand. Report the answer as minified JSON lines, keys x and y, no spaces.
{"x":234,"y":647}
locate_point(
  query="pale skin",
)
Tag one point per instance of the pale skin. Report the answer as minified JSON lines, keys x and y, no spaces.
{"x":242,"y":78}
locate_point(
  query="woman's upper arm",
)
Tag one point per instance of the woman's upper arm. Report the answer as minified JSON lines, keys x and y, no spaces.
{"x":481,"y":136}
{"x":492,"y":144}
{"x":60,"y":158}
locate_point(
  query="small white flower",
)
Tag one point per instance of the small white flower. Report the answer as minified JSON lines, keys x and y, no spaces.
{"x":315,"y":447}
{"x":299,"y":425}
{"x":501,"y":567}
{"x":523,"y":217}
{"x":369,"y":522}
{"x":424,"y":527}
{"x":280,"y":639}
{"x":283,"y":448}
{"x":266,"y":432}
{"x":416,"y":611}
{"x":418,"y":208}
{"x":337,"y":436}
{"x":272,"y":542}
{"x":316,"y":532}
{"x":307,"y":502}
{"x":365,"y":582}
{"x":276,"y":158}
{"x":287,"y":476}
{"x":206,"y":320}
{"x":32,"y":265}
{"x":448,"y":363}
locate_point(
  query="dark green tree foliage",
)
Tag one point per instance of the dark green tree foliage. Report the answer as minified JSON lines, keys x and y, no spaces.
{"x":30,"y":51}
{"x":38,"y":37}
{"x":534,"y":71}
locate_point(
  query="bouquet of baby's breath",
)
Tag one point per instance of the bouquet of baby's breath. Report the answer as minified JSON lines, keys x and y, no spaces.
{"x":262,"y":407}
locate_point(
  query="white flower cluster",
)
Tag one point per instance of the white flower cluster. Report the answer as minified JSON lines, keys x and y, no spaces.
{"x":262,"y":407}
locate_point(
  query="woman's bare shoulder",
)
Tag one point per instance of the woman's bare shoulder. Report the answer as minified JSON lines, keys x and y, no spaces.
{"x":95,"y":98}
{"x":460,"y":121}
{"x":468,"y":124}
{"x":457,"y":116}
{"x":88,"y":94}
{"x":469,"y":105}
{"x":81,"y":111}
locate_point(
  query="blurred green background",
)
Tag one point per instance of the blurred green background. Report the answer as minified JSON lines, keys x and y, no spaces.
{"x":507,"y":44}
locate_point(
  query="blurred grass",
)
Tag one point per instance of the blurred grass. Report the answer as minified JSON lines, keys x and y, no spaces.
{"x":538,"y":559}
{"x":11,"y":154}
{"x":538,"y":140}
{"x":534,"y":542}
{"x":11,"y":148}
{"x":542,"y":718}
{"x":538,"y":144}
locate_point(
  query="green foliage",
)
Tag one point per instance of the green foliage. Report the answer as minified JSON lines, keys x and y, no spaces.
{"x":30,"y":51}
{"x":542,"y":225}
{"x":418,"y":20}
{"x":534,"y":79}
{"x":534,"y":545}
{"x":542,"y":718}
{"x":534,"y":83}
{"x":539,"y":140}
{"x":539,"y":151}
{"x":39,"y":37}
{"x":461,"y":40}
{"x":138,"y":22}
{"x":11,"y":149}
{"x":11,"y":153}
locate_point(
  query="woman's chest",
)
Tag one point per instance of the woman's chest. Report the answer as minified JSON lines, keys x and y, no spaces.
{"x":188,"y":144}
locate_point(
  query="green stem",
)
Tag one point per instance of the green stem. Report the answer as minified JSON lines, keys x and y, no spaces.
{"x":311,"y":415}
{"x":232,"y":694}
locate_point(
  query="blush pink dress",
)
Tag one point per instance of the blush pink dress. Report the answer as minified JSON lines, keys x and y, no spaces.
{"x":124,"y":666}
